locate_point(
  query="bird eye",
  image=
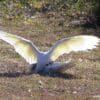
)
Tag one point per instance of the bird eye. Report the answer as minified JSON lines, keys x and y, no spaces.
{"x":48,"y":64}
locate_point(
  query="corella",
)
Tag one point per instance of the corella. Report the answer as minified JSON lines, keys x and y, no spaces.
{"x":45,"y":62}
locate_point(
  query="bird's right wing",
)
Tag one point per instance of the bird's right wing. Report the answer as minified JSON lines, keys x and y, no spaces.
{"x":76,"y":43}
{"x":22,"y":46}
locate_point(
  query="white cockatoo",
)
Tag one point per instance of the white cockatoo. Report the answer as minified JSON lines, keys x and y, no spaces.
{"x":45,"y":61}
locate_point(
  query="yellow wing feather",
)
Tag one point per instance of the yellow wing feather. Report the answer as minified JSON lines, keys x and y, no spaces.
{"x":24,"y":47}
{"x":76,"y":43}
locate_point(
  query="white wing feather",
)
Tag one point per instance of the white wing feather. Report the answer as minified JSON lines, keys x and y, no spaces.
{"x":76,"y":43}
{"x":24,"y":47}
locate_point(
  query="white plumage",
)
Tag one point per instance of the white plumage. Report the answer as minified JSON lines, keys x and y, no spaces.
{"x":44,"y":61}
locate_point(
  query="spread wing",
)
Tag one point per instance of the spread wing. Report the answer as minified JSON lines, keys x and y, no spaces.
{"x":22,"y":46}
{"x":76,"y":43}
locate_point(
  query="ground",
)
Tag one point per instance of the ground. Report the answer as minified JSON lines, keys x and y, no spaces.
{"x":82,"y":82}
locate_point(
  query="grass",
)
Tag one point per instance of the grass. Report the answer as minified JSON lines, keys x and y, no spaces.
{"x":81,"y":82}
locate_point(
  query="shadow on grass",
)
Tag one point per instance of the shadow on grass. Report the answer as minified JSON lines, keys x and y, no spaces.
{"x":61,"y":75}
{"x":22,"y":74}
{"x":14,"y":74}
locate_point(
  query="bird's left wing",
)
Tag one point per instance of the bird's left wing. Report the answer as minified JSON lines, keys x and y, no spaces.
{"x":22,"y":46}
{"x":76,"y":43}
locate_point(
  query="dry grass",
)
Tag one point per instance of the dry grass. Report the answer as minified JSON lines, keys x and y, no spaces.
{"x":81,"y":82}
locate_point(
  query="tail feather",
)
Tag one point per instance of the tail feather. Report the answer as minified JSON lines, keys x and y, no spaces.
{"x":58,"y":67}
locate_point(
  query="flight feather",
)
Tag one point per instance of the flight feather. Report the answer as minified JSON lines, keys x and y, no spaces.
{"x":23,"y":47}
{"x":75,"y":43}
